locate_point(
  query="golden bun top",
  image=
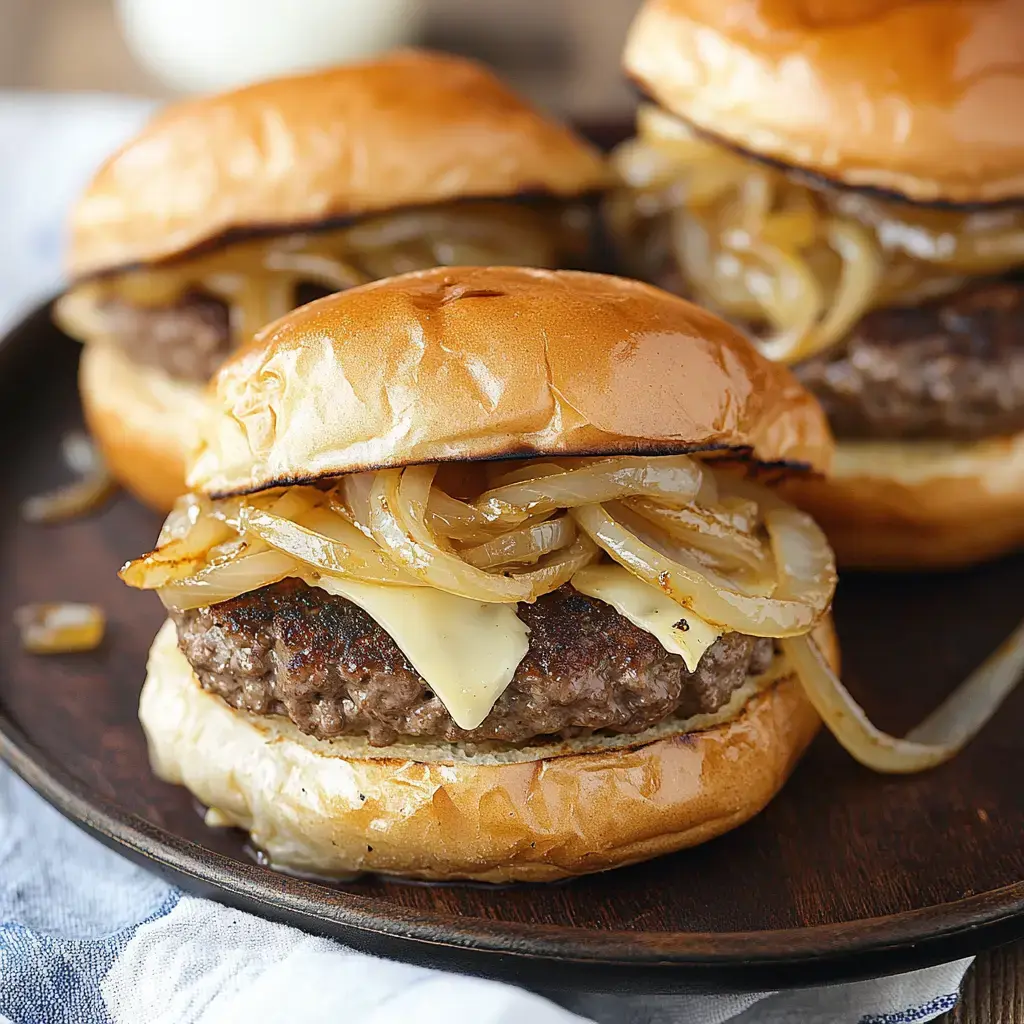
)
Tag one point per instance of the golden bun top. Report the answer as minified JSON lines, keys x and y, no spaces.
{"x":406,"y":129}
{"x":468,"y":363}
{"x":919,"y":97}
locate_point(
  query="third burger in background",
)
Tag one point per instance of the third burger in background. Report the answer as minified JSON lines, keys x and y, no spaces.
{"x":228,"y":211}
{"x":849,"y":187}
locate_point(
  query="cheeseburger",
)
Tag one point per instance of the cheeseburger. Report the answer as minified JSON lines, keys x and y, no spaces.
{"x":482,"y":577}
{"x":228,"y":211}
{"x":846,"y":182}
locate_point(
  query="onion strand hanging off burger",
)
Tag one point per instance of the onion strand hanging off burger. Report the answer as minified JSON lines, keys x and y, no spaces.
{"x":482,"y":577}
{"x":846,"y":182}
{"x":228,"y":211}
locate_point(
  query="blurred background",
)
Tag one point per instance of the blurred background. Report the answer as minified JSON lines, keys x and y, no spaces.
{"x":562,"y":53}
{"x":77,"y":77}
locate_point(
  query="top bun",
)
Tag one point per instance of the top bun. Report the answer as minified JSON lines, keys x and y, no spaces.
{"x":921,"y":99}
{"x":464,"y":363}
{"x":406,"y":129}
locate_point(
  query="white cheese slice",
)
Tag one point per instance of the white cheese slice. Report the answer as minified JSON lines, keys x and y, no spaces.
{"x":467,"y":651}
{"x":676,"y":628}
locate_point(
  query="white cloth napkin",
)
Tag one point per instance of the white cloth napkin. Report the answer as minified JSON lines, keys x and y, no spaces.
{"x":87,"y":936}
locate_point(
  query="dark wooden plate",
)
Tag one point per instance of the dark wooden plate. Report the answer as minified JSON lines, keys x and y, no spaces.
{"x":846,"y":873}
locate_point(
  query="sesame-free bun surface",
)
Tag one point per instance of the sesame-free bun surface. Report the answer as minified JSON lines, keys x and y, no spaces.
{"x":919,"y":505}
{"x":405,"y":129}
{"x":921,"y":98}
{"x":332,"y":808}
{"x":142,"y":420}
{"x":476,"y":363}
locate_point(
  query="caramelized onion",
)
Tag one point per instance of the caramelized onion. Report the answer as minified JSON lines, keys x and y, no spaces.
{"x":805,"y":263}
{"x":709,"y":530}
{"x":229,"y":579}
{"x":92,"y":488}
{"x":675,"y":477}
{"x":718,"y":605}
{"x":62,"y":628}
{"x":179,"y":559}
{"x":525,"y":544}
{"x":938,"y":738}
{"x":324,"y":541}
{"x":258,"y":278}
{"x":398,"y":507}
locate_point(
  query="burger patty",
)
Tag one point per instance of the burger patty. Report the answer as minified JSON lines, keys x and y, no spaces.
{"x":188,"y":340}
{"x":950,"y":368}
{"x":295,"y":650}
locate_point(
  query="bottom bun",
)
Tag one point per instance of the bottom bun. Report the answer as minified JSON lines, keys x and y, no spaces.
{"x":143,"y":422}
{"x":919,"y":505}
{"x":332,"y":808}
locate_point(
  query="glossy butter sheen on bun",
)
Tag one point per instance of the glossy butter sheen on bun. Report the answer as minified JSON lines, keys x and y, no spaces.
{"x":476,"y":363}
{"x":919,"y":98}
{"x":407,"y":129}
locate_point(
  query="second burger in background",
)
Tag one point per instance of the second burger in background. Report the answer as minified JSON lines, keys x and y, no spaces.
{"x":848,"y":185}
{"x":228,"y":211}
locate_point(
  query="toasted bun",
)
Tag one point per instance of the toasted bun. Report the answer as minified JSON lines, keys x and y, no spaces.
{"x":908,"y":505}
{"x":311,"y":807}
{"x":922,"y":98}
{"x":143,"y":422}
{"x":403,"y":130}
{"x":475,"y":363}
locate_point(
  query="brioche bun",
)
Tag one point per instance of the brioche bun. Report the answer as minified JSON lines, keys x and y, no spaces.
{"x":922,"y":99}
{"x":334,"y":807}
{"x":142,"y":420}
{"x":406,"y":129}
{"x":476,"y":363}
{"x":917,"y":505}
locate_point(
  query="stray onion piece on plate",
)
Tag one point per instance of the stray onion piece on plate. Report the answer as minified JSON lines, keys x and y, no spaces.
{"x":724,"y":548}
{"x":939,"y":737}
{"x":93,"y":486}
{"x":60,"y":628}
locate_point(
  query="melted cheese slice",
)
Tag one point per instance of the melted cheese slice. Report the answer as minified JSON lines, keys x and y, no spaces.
{"x":676,"y":628}
{"x":467,"y":651}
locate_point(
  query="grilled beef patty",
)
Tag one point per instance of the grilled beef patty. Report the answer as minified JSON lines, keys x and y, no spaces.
{"x":295,"y":650}
{"x":950,"y":368}
{"x":188,"y":340}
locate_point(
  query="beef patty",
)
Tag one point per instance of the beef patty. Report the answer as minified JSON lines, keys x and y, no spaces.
{"x":187,"y":340}
{"x":950,"y":368}
{"x":295,"y":650}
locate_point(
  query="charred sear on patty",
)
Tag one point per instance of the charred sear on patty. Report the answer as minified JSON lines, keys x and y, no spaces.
{"x":951,"y":368}
{"x":294,"y":650}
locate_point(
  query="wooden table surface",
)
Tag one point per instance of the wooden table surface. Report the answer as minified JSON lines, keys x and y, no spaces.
{"x":994,"y":990}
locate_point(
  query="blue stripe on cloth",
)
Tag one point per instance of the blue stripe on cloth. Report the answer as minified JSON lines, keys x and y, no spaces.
{"x":48,"y":980}
{"x":926,"y":1011}
{"x":68,"y":907}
